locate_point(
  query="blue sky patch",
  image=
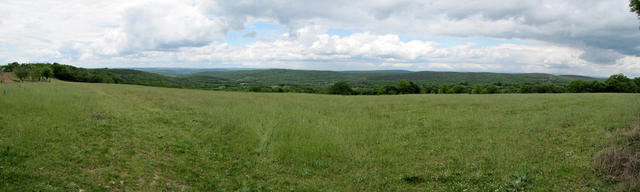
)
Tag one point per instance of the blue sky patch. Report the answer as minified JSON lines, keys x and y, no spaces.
{"x":254,"y":32}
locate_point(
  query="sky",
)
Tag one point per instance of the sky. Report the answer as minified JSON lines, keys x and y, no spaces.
{"x":582,"y":37}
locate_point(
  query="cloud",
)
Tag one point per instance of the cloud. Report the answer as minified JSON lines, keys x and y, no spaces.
{"x":312,"y":48}
{"x":567,"y":36}
{"x":161,"y":26}
{"x":251,"y":34}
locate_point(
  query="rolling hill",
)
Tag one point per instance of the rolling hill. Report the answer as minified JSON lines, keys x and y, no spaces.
{"x":374,"y":79}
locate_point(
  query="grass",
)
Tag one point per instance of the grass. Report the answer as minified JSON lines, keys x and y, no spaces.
{"x":64,"y":136}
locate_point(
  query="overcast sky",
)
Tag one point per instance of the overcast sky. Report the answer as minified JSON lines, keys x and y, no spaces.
{"x":585,"y":37}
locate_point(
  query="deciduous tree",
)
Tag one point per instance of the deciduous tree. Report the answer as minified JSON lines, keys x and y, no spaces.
{"x":341,"y":88}
{"x":620,"y":83}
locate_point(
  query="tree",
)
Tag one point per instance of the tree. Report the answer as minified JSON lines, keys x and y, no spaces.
{"x":477,"y":89}
{"x":597,"y":86}
{"x":340,"y":88}
{"x":526,"y":88}
{"x":21,"y":72}
{"x":47,"y":72}
{"x":35,"y":74}
{"x":492,"y":89}
{"x":637,"y":81}
{"x":459,"y":89}
{"x":407,"y":87}
{"x":11,"y":66}
{"x":444,"y":89}
{"x":255,"y":89}
{"x":309,"y":90}
{"x":426,"y":89}
{"x":388,"y":90}
{"x":579,"y":86}
{"x":635,"y":6}
{"x":621,"y":84}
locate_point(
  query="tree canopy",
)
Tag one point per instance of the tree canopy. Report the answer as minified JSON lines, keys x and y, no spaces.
{"x":635,"y":6}
{"x":341,"y":88}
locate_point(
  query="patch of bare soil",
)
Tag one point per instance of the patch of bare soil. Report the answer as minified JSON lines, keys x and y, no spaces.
{"x":7,"y":77}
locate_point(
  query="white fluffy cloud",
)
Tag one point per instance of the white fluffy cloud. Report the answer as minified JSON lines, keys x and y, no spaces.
{"x":160,"y":25}
{"x":312,"y":48}
{"x":589,"y":37}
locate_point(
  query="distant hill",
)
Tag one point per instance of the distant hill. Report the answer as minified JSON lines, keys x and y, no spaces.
{"x":379,"y":71}
{"x":288,"y":76}
{"x":130,"y":76}
{"x":185,"y":71}
{"x":373,"y":79}
{"x":431,"y":77}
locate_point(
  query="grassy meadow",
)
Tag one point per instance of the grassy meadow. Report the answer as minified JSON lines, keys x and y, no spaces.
{"x":63,"y":136}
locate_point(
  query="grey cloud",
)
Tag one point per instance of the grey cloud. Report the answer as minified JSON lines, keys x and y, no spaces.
{"x":588,"y":23}
{"x":251,"y":34}
{"x":601,"y":56}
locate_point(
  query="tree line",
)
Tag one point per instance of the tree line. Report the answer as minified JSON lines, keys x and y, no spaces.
{"x":44,"y":71}
{"x":617,"y":83}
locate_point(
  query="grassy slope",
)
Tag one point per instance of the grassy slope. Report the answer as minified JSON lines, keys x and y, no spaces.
{"x":70,"y":136}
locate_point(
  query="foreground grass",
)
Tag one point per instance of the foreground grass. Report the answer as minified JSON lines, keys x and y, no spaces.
{"x":68,"y":136}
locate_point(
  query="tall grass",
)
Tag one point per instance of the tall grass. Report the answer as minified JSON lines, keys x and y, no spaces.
{"x":68,"y":136}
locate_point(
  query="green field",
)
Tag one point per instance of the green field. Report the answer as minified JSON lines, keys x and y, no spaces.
{"x":63,"y":136}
